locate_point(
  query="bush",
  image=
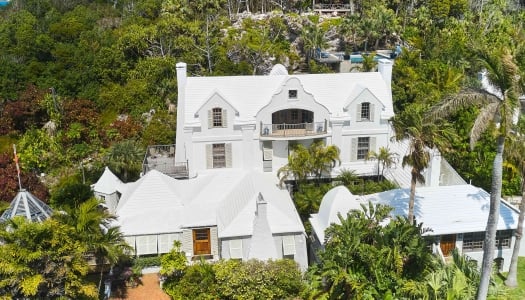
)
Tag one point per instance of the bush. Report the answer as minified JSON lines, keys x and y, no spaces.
{"x":140,"y":263}
{"x":254,"y":279}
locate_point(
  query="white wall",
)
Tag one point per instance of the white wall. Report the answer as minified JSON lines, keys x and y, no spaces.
{"x":300,"y":257}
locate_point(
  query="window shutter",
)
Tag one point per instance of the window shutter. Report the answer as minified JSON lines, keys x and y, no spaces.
{"x":210,"y":118}
{"x":131,"y":241}
{"x":236,"y":249}
{"x":353,"y":150}
{"x":288,"y":245}
{"x":267,"y":150}
{"x":358,"y":113}
{"x":228,"y":154}
{"x":209,"y":156}
{"x":372,"y":145}
{"x":166,"y":242}
{"x":371,"y":112}
{"x":224,"y":118}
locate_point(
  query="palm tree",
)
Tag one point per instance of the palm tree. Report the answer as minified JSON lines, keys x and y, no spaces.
{"x":92,"y":224}
{"x":385,"y":159}
{"x":126,"y":157}
{"x":498,"y":105}
{"x":108,"y":247}
{"x":313,"y":37}
{"x":313,"y":161}
{"x":422,"y":135}
{"x":516,"y":155}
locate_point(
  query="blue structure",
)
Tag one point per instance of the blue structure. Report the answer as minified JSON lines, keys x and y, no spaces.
{"x":4,"y":2}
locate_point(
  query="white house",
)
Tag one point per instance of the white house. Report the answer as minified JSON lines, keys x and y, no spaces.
{"x":457,"y":216}
{"x":221,"y":214}
{"x":250,"y":122}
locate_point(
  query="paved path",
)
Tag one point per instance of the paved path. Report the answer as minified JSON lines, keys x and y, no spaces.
{"x":148,"y":290}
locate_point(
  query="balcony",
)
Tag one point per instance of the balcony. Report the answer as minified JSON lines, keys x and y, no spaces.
{"x":162,"y":159}
{"x":285,"y":130}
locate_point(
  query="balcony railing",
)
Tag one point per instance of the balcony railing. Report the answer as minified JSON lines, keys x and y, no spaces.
{"x":293,"y":130}
{"x":162,"y":159}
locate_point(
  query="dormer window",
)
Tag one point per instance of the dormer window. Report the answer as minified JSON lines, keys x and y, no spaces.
{"x":292,"y":94}
{"x":365,"y":112}
{"x":216,"y":117}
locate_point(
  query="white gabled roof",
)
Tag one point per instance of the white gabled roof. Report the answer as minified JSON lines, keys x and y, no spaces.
{"x":248,"y":94}
{"x":107,"y":183}
{"x":225,"y":198}
{"x":443,"y":209}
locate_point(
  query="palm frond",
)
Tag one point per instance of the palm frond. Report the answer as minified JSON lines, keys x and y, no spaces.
{"x":485,"y":116}
{"x":464,"y":99}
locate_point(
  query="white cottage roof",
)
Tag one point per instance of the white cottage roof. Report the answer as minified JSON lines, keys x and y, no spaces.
{"x":107,"y":183}
{"x":150,"y":205}
{"x":443,"y":209}
{"x":448,"y":209}
{"x":248,"y":94}
{"x":157,"y":203}
{"x":338,"y":200}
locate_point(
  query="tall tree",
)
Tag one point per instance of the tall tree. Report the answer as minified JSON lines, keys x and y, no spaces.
{"x":498,"y":104}
{"x":422,"y":135}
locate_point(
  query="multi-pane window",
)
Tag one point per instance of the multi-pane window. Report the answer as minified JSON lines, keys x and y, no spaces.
{"x":473,"y":241}
{"x":219,"y":155}
{"x":217,"y":117}
{"x":363,"y":146}
{"x":365,"y":111}
{"x":503,"y":239}
{"x":294,"y":115}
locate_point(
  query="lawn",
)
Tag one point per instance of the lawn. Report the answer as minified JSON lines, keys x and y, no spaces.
{"x":518,"y":292}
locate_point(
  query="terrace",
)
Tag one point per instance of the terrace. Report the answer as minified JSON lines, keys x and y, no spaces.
{"x":162,"y":159}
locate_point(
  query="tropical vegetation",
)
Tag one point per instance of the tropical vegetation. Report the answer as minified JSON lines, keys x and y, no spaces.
{"x":84,"y":81}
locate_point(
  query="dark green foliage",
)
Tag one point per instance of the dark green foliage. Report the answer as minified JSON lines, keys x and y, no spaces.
{"x":70,"y":193}
{"x":139,"y":263}
{"x":365,"y":258}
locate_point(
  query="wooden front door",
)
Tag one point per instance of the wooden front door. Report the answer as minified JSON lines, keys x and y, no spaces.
{"x":201,"y":242}
{"x":447,"y":244}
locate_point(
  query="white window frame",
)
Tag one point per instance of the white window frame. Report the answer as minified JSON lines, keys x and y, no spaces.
{"x":363,"y":147}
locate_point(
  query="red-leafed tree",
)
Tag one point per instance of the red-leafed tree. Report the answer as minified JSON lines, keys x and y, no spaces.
{"x":9,"y":181}
{"x":23,"y":113}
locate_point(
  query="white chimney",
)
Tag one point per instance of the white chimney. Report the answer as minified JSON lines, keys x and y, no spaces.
{"x":434,"y":169}
{"x":262,"y":244}
{"x":180,"y":151}
{"x":384,"y":66}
